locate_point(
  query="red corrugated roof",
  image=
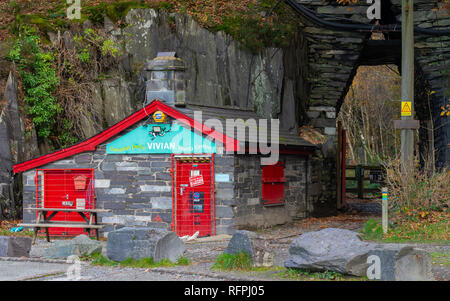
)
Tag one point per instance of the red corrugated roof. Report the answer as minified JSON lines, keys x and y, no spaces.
{"x":90,"y":144}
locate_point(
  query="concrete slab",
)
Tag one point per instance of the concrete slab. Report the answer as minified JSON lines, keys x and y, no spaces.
{"x":23,"y":270}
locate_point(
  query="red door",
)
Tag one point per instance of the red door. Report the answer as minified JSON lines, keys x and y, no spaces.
{"x":69,"y":189}
{"x":193,"y":211}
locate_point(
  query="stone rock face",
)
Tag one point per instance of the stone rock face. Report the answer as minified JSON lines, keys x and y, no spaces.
{"x":117,"y":100}
{"x":80,"y":245}
{"x":5,"y":152}
{"x":91,"y":119}
{"x":23,"y":145}
{"x":251,"y":243}
{"x":219,"y":70}
{"x":16,"y":145}
{"x":138,"y":243}
{"x":343,"y":251}
{"x":11,"y":246}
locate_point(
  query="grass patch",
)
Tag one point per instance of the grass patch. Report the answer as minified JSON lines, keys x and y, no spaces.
{"x":305,"y":275}
{"x":440,"y":258}
{"x":182,"y":261}
{"x":425,"y":227}
{"x":100,"y":260}
{"x":228,"y":262}
{"x":372,"y":230}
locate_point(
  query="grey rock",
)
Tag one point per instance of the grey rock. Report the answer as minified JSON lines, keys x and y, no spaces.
{"x":108,"y":24}
{"x":5,"y":152}
{"x":254,"y":245}
{"x":138,"y":243}
{"x":87,"y":24}
{"x":11,"y":246}
{"x":343,"y":251}
{"x":53,"y":37}
{"x":403,"y":263}
{"x":117,"y":100}
{"x":92,"y":116}
{"x":13,"y":120}
{"x":23,"y":145}
{"x":330,"y":249}
{"x":219,"y":71}
{"x":68,"y":40}
{"x":5,"y":192}
{"x":80,"y":246}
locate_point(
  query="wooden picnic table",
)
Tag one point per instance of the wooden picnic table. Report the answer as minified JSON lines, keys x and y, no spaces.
{"x":44,"y":221}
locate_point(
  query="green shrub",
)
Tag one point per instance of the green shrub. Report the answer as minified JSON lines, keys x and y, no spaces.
{"x":39,"y":80}
{"x":100,"y":260}
{"x":183,"y":261}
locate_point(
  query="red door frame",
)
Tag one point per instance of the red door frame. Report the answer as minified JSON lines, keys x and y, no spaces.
{"x":174,"y":191}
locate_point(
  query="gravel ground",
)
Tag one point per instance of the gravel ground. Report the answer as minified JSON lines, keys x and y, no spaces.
{"x":22,"y":270}
{"x":93,"y":273}
{"x":202,"y":253}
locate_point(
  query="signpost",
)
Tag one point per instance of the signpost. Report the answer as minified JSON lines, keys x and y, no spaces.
{"x":384,"y":206}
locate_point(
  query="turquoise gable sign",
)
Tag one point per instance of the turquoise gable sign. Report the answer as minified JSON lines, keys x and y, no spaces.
{"x":161,"y":139}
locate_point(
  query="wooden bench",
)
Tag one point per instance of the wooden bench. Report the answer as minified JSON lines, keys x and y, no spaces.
{"x":58,"y":225}
{"x":44,"y":222}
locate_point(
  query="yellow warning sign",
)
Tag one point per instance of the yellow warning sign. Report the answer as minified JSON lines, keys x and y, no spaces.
{"x":406,"y":108}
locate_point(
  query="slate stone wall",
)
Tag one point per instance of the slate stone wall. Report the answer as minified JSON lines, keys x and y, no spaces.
{"x":322,"y":187}
{"x":249,"y":208}
{"x":138,"y":188}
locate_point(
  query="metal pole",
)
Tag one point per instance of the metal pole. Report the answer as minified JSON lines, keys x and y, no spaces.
{"x":407,"y":146}
{"x":384,"y":213}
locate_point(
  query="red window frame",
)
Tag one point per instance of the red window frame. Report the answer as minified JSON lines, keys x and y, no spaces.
{"x":273,"y":184}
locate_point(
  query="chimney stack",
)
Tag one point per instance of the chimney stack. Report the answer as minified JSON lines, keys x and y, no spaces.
{"x":165,"y":79}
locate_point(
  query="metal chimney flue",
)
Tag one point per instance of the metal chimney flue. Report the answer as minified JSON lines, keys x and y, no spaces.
{"x":165,"y":79}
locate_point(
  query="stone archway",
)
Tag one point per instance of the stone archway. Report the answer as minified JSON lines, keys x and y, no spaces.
{"x":334,"y":56}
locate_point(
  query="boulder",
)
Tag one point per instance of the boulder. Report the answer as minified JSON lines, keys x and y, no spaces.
{"x":255,"y":246}
{"x":144,"y":242}
{"x":400,"y":262}
{"x":330,"y":249}
{"x":12,"y":246}
{"x":81,"y":245}
{"x":343,"y":251}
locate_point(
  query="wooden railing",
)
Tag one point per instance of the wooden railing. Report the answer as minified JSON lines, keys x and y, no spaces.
{"x":375,"y":174}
